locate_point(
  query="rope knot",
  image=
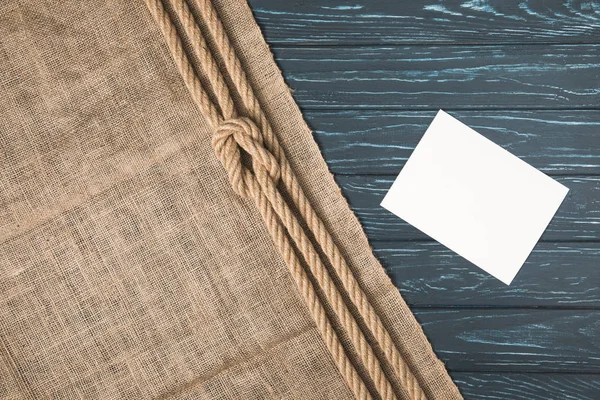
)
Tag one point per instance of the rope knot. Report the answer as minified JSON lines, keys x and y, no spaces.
{"x":242,"y":133}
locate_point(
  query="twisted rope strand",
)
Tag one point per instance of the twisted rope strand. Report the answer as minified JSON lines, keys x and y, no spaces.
{"x":182,"y":62}
{"x":314,"y":223}
{"x":345,"y":366}
{"x":252,"y":188}
{"x":201,"y":51}
{"x":199,"y":48}
{"x":330,"y":338}
{"x":242,"y":132}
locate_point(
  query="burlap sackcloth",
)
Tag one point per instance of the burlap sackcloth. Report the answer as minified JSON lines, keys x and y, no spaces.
{"x":129,"y":266}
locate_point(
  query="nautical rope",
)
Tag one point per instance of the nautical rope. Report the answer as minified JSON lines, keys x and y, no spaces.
{"x":232,"y":163}
{"x":269,"y":166}
{"x":200,"y":97}
{"x":242,"y":132}
{"x":314,"y":223}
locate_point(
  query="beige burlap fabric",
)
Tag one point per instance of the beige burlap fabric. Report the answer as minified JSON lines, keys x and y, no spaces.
{"x":139,"y":258}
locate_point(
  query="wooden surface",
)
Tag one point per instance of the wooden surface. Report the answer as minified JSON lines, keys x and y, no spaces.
{"x":370,"y":75}
{"x":351,"y":22}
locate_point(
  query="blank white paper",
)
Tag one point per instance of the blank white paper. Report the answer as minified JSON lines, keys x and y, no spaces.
{"x":474,"y":197}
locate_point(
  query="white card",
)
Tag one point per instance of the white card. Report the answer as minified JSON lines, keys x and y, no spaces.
{"x":474,"y":197}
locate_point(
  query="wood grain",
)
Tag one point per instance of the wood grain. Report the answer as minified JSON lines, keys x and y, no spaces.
{"x":455,"y":21}
{"x":577,"y":219}
{"x":527,"y":386}
{"x":370,"y":75}
{"x":554,"y":275}
{"x":380,"y":142}
{"x":514,"y":340}
{"x":452,"y":77}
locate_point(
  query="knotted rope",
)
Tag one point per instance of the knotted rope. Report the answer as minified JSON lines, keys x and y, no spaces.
{"x":276,"y":230}
{"x":230,"y":136}
{"x":269,"y":167}
{"x":241,"y":133}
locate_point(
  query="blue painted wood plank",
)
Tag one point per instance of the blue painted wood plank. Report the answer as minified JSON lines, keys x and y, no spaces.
{"x":527,"y":386}
{"x":577,"y":219}
{"x":427,"y":21}
{"x":527,"y":340}
{"x":380,"y":142}
{"x":452,"y":77}
{"x":555,"y":275}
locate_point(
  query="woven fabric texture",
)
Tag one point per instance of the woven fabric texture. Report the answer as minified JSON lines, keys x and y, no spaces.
{"x":130,"y":267}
